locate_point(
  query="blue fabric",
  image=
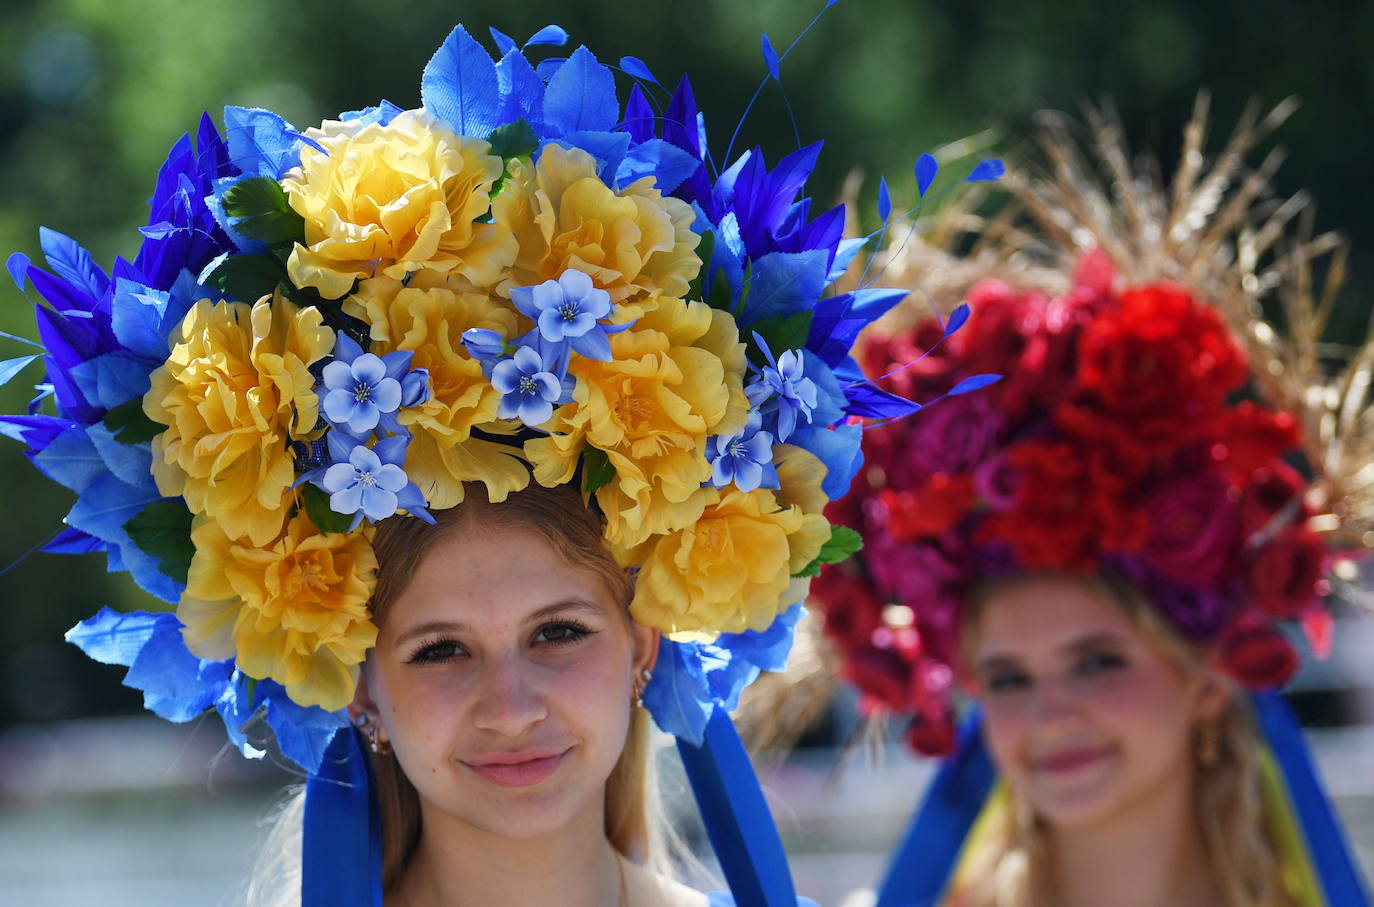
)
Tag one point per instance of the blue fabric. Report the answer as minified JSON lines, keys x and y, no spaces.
{"x":736,"y":817}
{"x":726,"y":899}
{"x":1325,"y":840}
{"x":925,"y":860}
{"x":341,"y":856}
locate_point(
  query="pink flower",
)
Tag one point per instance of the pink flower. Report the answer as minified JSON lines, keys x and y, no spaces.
{"x":1194,"y":529}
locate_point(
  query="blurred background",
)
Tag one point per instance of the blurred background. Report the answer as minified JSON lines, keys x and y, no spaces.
{"x":96,"y":799}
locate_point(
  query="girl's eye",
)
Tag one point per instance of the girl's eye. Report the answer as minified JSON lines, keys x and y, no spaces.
{"x":434,"y":652}
{"x":1100,"y":662}
{"x":1008,"y":682}
{"x":561,"y":633}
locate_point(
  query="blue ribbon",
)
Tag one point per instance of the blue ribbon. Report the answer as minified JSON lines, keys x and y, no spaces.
{"x":736,"y":817}
{"x":341,"y":855}
{"x":1326,"y":842}
{"x":925,"y":860}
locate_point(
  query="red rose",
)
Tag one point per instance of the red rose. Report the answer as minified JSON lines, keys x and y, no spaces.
{"x":1161,"y":365}
{"x":1273,"y":490}
{"x":1194,"y":528}
{"x":851,"y":607}
{"x":939,"y":504}
{"x":1255,"y":653}
{"x":931,"y":731}
{"x":1254,"y":437}
{"x":881,"y":675}
{"x":1283,"y":574}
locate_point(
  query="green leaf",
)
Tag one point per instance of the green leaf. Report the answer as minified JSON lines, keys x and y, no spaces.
{"x":250,"y":687}
{"x":321,"y":514}
{"x":163,"y":530}
{"x":597,"y":470}
{"x":265,"y":212}
{"x":513,"y":140}
{"x":705,"y":249}
{"x":843,"y":543}
{"x":130,"y":424}
{"x":246,"y":278}
{"x":782,"y":333}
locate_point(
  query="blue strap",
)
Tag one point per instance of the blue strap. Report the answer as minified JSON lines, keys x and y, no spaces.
{"x":736,"y":817}
{"x":1325,"y":841}
{"x":924,"y":862}
{"x":341,"y":854}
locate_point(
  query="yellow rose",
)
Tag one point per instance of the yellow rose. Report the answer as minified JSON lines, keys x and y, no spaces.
{"x":234,"y":392}
{"x":729,"y":571}
{"x":394,"y":199}
{"x":676,"y":378}
{"x":632,"y":243}
{"x":428,"y":316}
{"x":294,"y":610}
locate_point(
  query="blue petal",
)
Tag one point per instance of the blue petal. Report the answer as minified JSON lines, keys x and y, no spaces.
{"x":522,"y":92}
{"x":987,"y":169}
{"x":73,"y":263}
{"x":11,"y":367}
{"x":770,"y":56}
{"x":106,"y":505}
{"x":132,"y":464}
{"x":378,"y":503}
{"x":113,"y":378}
{"x":668,"y":164}
{"x":302,"y":733}
{"x":581,"y":96}
{"x":786,"y":283}
{"x":884,"y":199}
{"x":840,"y":449}
{"x":74,"y":541}
{"x":594,"y":345}
{"x":636,"y":68}
{"x":973,"y":383}
{"x":956,"y":318}
{"x":18,"y":265}
{"x":549,"y":35}
{"x":926,"y":168}
{"x":71,"y":460}
{"x":677,"y":695}
{"x":504,"y":43}
{"x":260,"y":142}
{"x":460,"y":86}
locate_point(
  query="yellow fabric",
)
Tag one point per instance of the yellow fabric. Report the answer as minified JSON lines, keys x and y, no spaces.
{"x":1299,"y":876}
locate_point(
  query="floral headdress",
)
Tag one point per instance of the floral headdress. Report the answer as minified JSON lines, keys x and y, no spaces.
{"x":521,"y":280}
{"x":1126,"y":438}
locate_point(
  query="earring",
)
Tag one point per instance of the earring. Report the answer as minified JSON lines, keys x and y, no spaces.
{"x":637,"y":685}
{"x":379,"y":745}
{"x":1209,"y":745}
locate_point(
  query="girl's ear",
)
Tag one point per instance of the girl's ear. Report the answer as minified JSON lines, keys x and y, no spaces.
{"x":1215,"y":693}
{"x":362,"y":703}
{"x":646,"y":641}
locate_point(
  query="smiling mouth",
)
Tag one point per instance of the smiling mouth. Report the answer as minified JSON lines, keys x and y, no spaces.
{"x":1067,"y":761}
{"x":524,"y":768}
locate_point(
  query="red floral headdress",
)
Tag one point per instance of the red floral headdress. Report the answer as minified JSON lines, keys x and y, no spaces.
{"x":1119,"y":441}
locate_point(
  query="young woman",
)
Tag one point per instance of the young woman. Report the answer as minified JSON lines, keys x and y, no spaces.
{"x":392,"y":409}
{"x":1097,"y":549}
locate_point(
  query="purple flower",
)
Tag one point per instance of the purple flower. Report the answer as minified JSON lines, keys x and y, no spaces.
{"x":365,"y":485}
{"x":362,"y":390}
{"x":568,"y":310}
{"x":782,"y":387}
{"x":745,"y":459}
{"x":956,"y":434}
{"x":1195,"y":532}
{"x":530,"y":391}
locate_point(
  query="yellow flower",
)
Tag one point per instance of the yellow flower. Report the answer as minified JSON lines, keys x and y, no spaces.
{"x":729,"y":571}
{"x":801,"y":474}
{"x":632,"y":243}
{"x":294,"y":610}
{"x":234,"y":392}
{"x":393,"y":199}
{"x":676,"y":378}
{"x":428,"y":316}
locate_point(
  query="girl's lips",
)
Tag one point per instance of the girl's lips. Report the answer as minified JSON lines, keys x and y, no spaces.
{"x":1073,"y":759}
{"x":518,"y":769}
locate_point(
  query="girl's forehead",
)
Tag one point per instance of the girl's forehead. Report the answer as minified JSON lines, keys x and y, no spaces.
{"x":1047,"y":614}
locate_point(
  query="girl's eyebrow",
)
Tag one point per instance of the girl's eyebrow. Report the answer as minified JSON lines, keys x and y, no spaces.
{"x":458,"y":626}
{"x":1002,"y":662}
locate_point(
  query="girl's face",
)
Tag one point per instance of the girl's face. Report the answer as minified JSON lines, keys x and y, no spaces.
{"x":1084,"y":715}
{"x":502,"y":676}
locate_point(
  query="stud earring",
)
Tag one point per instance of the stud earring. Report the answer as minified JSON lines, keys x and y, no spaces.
{"x":1209,"y":745}
{"x":637,"y":685}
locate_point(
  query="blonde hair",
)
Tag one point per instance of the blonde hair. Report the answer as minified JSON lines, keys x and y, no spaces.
{"x":633,"y":815}
{"x":1008,"y":866}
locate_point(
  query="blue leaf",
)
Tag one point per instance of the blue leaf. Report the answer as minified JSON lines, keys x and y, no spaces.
{"x":73,"y":263}
{"x":71,"y":460}
{"x":460,"y":87}
{"x":548,"y":66}
{"x":785,"y":283}
{"x":18,"y":266}
{"x":609,"y":149}
{"x":770,"y":56}
{"x":839,"y":448}
{"x":637,"y":69}
{"x":106,"y":505}
{"x":926,"y":168}
{"x":11,"y":367}
{"x":74,"y":541}
{"x":260,"y":142}
{"x":176,"y":684}
{"x":523,"y":92}
{"x":504,"y":43}
{"x":957,"y":318}
{"x":987,"y":169}
{"x":581,"y":96}
{"x":666,"y":162}
{"x":549,"y":34}
{"x":112,"y":378}
{"x":973,"y":383}
{"x":302,"y":732}
{"x":884,"y":199}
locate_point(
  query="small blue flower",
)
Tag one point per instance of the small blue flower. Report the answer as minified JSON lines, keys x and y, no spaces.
{"x":484,"y":345}
{"x":568,"y":310}
{"x":745,"y":459}
{"x":364,"y":486}
{"x":530,"y":391}
{"x":783,"y":386}
{"x":359,"y":387}
{"x":414,"y":387}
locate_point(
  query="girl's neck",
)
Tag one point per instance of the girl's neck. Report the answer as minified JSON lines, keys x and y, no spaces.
{"x":1149,"y":856}
{"x":457,"y":865}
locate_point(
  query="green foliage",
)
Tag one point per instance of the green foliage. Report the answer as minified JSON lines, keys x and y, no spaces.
{"x":597,"y":470}
{"x":843,"y":543}
{"x":246,"y":278}
{"x":780,"y":333}
{"x":131,"y":424}
{"x":163,"y":530}
{"x":321,"y":514}
{"x":513,"y":140}
{"x":266,"y":213}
